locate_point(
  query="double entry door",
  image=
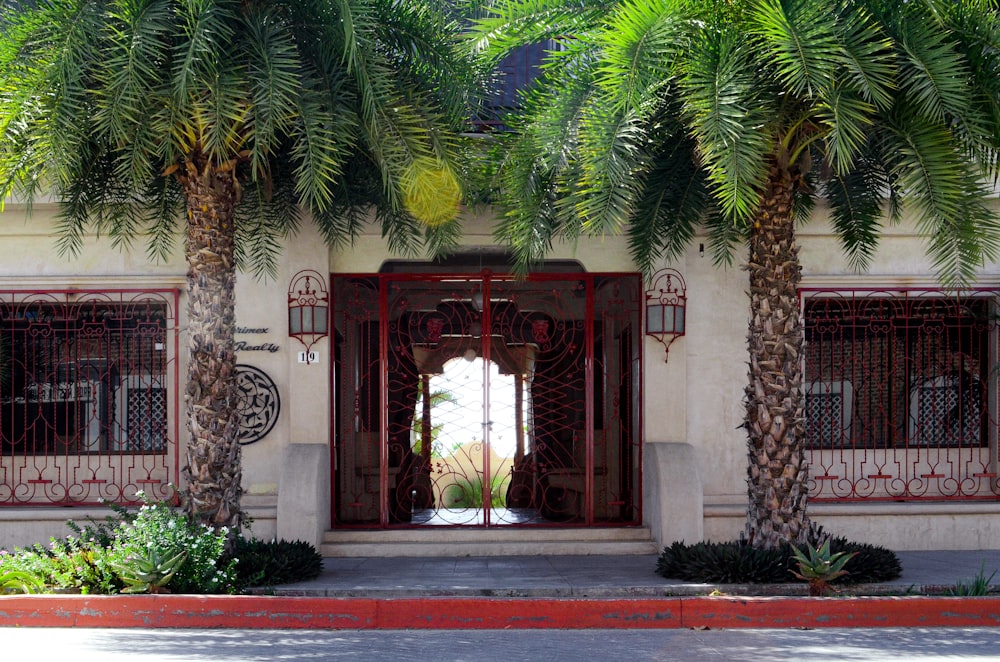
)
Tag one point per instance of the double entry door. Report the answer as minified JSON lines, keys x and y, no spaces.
{"x":486,"y":400}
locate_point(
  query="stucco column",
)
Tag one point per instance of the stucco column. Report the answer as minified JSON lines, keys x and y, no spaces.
{"x":673,"y":503}
{"x":304,"y":493}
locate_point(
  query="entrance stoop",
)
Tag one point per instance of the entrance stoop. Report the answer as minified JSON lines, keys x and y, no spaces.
{"x":459,"y":541}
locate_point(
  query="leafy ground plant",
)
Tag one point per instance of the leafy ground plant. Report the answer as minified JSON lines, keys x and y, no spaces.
{"x":268,"y":563}
{"x":15,"y":581}
{"x":159,"y":530}
{"x":154,"y":549}
{"x":819,"y":567}
{"x":738,"y":562}
{"x":977,"y":586}
{"x":145,"y":550}
{"x":150,"y":574}
{"x":67,"y":565}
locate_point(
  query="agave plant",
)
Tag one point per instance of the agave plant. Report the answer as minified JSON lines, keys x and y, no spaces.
{"x":16,"y":581}
{"x":150,"y":573}
{"x":820,"y":567}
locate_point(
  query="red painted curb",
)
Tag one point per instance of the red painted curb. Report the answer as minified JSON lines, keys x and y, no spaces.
{"x":527,"y":613}
{"x":910,"y":611}
{"x":285,"y":612}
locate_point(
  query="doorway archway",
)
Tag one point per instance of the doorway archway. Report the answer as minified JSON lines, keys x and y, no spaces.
{"x":486,"y":400}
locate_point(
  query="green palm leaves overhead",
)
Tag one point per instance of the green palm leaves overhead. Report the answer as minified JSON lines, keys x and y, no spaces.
{"x":661,"y":118}
{"x":900,"y":96}
{"x":228,"y":121}
{"x":316,"y":104}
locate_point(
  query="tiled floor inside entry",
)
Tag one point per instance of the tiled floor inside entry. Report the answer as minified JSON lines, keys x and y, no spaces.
{"x":476,"y":516}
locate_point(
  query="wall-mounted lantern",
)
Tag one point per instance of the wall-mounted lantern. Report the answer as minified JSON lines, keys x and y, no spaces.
{"x":308,"y":303}
{"x":666,"y":300}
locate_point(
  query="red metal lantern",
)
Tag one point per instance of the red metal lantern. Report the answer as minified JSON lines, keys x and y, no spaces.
{"x":308,"y":304}
{"x":666,"y":303}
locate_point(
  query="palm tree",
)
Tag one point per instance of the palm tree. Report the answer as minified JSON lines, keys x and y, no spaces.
{"x":659,"y":117}
{"x":235,"y":118}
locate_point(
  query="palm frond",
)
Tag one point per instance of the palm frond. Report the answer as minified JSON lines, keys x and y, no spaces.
{"x":318,"y":153}
{"x":530,"y":192}
{"x":539,"y":168}
{"x":847,"y":118}
{"x":724,"y":237}
{"x":224,"y":113}
{"x":207,"y":27}
{"x":138,"y":45}
{"x":163,"y":218}
{"x":639,"y":43}
{"x":356,"y":193}
{"x":945,"y":193}
{"x":855,"y":198}
{"x":442,"y":240}
{"x":730,"y":120}
{"x":867,"y":55}
{"x":403,"y":234}
{"x":72,"y":57}
{"x":523,"y":22}
{"x":799,"y":38}
{"x":976,"y":28}
{"x":611,"y":161}
{"x":675,"y":201}
{"x":263,"y":223}
{"x":959,"y":249}
{"x":423,"y":45}
{"x":932,"y":74}
{"x":271,"y":68}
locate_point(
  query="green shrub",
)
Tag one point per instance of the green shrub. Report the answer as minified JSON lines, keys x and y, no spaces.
{"x":260,"y":563}
{"x":468,"y":493}
{"x":737,"y":562}
{"x":103,"y":533}
{"x":155,"y":549}
{"x":723,"y":563}
{"x":159,"y":527}
{"x":871,"y":564}
{"x":68,"y":564}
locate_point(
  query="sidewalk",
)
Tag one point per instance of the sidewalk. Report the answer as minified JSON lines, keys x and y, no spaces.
{"x":532,"y":592}
{"x":600,"y":577}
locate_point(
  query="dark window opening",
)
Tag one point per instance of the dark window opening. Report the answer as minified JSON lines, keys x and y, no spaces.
{"x":80,"y":377}
{"x":901,"y":394}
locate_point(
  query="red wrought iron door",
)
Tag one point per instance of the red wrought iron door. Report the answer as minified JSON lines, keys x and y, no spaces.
{"x":486,"y":400}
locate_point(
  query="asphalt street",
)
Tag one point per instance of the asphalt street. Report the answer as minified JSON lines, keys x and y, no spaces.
{"x":734,"y":645}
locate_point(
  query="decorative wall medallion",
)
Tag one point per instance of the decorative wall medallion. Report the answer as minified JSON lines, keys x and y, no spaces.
{"x":258,"y":403}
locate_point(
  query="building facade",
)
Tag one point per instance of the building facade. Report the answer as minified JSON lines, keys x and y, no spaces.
{"x":454,"y":395}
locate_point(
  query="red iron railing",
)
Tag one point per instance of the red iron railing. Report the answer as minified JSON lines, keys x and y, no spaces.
{"x":901,"y":394}
{"x":88,"y":396}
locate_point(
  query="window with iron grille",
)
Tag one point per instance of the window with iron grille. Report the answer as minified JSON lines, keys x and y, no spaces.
{"x":900,"y":393}
{"x":87,"y":381}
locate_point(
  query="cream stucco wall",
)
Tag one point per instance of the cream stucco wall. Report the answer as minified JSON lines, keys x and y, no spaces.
{"x":304,"y":388}
{"x":31,"y":261}
{"x":716,"y":374}
{"x":692,"y":403}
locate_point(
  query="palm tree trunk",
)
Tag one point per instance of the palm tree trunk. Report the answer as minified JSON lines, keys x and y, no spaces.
{"x":213,"y":472}
{"x":777,"y":468}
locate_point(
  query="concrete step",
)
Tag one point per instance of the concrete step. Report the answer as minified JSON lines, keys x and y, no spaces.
{"x":444,"y":542}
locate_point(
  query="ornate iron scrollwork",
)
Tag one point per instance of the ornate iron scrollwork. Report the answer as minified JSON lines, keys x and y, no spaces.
{"x":258,"y":404}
